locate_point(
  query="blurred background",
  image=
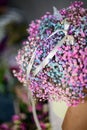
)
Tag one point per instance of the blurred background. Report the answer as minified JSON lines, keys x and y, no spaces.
{"x":15,"y":16}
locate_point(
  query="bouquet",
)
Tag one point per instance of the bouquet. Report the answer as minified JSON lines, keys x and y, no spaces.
{"x":53,"y":60}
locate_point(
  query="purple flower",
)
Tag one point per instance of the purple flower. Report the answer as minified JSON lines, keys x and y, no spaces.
{"x":4,"y":127}
{"x":43,"y":126}
{"x":15,"y":118}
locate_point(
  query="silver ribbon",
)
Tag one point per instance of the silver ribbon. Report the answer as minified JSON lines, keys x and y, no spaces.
{"x":50,"y":56}
{"x":29,"y":67}
{"x":68,"y":38}
{"x":30,"y":97}
{"x":57,"y":13}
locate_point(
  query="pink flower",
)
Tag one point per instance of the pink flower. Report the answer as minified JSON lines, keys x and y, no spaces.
{"x":16,"y":118}
{"x":43,"y":126}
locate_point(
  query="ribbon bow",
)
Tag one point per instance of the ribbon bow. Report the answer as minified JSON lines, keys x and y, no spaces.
{"x":69,"y":40}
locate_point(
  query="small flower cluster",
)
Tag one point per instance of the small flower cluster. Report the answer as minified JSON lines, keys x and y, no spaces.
{"x":25,"y":121}
{"x":65,"y":76}
{"x":17,"y":123}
